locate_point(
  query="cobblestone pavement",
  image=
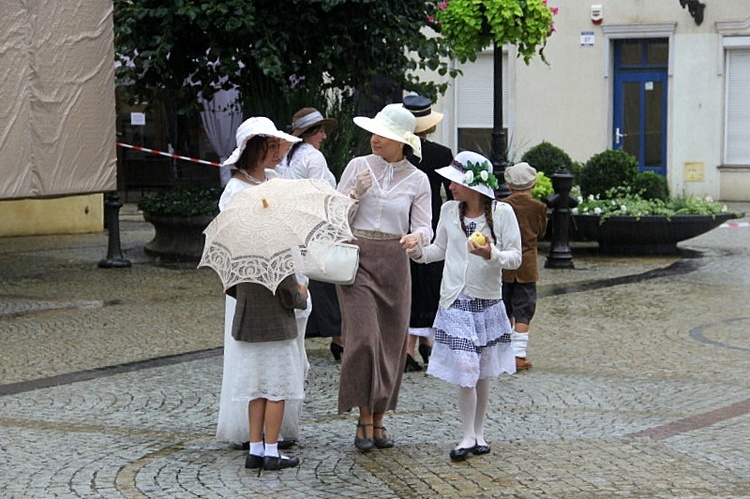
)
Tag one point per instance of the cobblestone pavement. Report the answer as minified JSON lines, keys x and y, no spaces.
{"x":110,"y":378}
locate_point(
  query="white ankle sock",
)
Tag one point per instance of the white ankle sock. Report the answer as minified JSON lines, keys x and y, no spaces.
{"x":272,"y":450}
{"x":256,"y":449}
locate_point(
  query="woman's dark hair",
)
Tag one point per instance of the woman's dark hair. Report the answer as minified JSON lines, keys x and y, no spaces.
{"x":255,"y":149}
{"x":487,"y":215}
{"x":307,"y":133}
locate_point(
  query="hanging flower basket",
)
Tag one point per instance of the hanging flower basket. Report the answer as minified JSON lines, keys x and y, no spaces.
{"x":470,"y":26}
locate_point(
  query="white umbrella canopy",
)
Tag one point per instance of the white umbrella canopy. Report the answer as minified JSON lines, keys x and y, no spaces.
{"x":260,"y":235}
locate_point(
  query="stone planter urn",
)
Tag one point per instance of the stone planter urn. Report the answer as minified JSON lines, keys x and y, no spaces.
{"x":177,"y":238}
{"x":645,"y":235}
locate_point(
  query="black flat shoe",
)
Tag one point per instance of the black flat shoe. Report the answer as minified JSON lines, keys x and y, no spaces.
{"x":461,"y":453}
{"x":363,"y":443}
{"x":411,"y":365}
{"x":481,"y":449}
{"x":253,"y":462}
{"x":287,"y":444}
{"x":384,"y":442}
{"x":425,"y":351}
{"x":336,"y":351}
{"x":279,"y":463}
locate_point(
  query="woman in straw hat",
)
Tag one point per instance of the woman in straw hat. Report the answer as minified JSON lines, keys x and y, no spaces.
{"x":259,"y":375}
{"x":393,"y":199}
{"x":304,"y":160}
{"x":472,"y":331}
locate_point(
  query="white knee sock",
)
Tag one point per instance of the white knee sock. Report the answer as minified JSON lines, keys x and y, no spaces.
{"x":518,"y":342}
{"x":467,"y":404}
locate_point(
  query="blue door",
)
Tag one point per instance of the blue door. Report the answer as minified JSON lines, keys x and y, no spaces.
{"x":640,"y":101}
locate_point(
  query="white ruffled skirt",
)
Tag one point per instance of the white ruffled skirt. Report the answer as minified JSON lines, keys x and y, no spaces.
{"x":472,"y":342}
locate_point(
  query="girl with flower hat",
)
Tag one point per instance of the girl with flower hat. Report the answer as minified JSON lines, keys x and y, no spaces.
{"x":472,"y":331}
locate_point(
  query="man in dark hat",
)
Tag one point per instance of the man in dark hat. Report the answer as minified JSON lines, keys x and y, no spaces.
{"x":426,"y":278}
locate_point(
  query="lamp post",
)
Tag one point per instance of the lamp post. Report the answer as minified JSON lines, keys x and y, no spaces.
{"x":499,"y":142}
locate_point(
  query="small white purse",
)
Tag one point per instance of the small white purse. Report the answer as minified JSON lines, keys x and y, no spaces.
{"x":337,"y":265}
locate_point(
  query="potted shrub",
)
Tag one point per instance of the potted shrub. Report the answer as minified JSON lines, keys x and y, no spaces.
{"x":628,"y":212}
{"x":179,"y":217}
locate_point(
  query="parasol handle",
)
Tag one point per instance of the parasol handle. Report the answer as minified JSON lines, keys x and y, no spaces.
{"x":265,"y":203}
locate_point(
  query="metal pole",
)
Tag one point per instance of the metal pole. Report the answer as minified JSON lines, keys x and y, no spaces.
{"x":561,"y":202}
{"x":112,"y":205}
{"x":498,"y":146}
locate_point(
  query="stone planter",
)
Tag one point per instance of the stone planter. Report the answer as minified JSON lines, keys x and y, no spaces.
{"x":648,"y":235}
{"x":177,"y":238}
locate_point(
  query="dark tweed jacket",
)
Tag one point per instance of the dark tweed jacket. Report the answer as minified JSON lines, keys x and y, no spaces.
{"x":532,"y":220}
{"x":262,"y":316}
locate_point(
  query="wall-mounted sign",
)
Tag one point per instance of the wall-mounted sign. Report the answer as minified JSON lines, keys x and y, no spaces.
{"x":138,"y":119}
{"x":587,"y":38}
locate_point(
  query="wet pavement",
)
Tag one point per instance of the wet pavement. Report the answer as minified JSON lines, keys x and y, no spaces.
{"x":110,"y":379}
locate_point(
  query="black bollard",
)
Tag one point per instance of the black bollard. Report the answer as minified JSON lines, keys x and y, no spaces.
{"x":561,"y":202}
{"x":112,"y":205}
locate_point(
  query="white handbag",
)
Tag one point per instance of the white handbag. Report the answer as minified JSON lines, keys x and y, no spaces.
{"x":338,"y":264}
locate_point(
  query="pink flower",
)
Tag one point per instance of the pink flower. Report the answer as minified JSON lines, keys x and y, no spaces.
{"x":443,"y":5}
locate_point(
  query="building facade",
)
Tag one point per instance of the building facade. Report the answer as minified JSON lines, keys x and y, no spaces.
{"x":667,"y":83}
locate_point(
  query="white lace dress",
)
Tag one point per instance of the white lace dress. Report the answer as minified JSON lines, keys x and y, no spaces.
{"x":284,"y":369}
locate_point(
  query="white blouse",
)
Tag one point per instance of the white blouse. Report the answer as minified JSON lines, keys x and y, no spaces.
{"x":398,"y":202}
{"x":307,"y":162}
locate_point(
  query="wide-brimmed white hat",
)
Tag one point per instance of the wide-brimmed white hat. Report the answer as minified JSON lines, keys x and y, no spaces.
{"x":259,"y":125}
{"x":421,"y":108}
{"x":308,"y":117}
{"x":393,"y":122}
{"x":471,"y":170}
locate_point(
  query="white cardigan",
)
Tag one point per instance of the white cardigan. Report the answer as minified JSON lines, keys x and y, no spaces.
{"x":473,"y":274}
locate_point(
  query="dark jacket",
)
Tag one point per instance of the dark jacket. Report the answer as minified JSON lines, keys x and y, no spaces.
{"x":262,"y":316}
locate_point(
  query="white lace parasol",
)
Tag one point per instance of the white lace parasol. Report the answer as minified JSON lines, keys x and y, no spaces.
{"x":260,"y":235}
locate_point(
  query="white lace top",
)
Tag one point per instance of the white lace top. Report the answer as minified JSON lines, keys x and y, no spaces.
{"x":399,"y":200}
{"x":307,"y":162}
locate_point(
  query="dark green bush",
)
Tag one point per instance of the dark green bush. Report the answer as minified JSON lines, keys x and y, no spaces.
{"x":547,"y":158}
{"x":651,"y":185}
{"x":607,"y":170}
{"x":183,"y":201}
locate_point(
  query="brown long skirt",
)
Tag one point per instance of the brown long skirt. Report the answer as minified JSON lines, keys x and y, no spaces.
{"x":375,"y":325}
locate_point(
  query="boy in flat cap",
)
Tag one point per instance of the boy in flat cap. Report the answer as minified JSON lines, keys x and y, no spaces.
{"x":519,"y":286}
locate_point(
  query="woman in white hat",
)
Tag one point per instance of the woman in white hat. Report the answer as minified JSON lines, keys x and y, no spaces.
{"x":304,"y":160}
{"x":472,"y":330}
{"x":393,"y":199}
{"x":252,"y":405}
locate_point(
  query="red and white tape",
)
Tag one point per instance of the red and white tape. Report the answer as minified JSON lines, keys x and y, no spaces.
{"x":168,"y":154}
{"x":734,"y":224}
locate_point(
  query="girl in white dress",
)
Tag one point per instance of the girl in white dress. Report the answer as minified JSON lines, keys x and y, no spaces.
{"x":258,"y":377}
{"x":472,"y":331}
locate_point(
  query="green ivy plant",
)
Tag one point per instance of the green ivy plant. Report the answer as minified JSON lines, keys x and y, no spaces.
{"x":470,"y":26}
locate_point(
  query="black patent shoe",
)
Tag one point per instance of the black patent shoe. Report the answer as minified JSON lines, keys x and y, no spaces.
{"x":385,"y":441}
{"x":286,"y":443}
{"x":336,"y":351}
{"x":363,"y":443}
{"x":481,"y":449}
{"x":279,"y":463}
{"x":253,"y":462}
{"x":461,"y":453}
{"x":425,"y":351}
{"x":411,"y":365}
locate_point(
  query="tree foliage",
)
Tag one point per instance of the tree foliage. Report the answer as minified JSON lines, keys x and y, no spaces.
{"x":174,"y":50}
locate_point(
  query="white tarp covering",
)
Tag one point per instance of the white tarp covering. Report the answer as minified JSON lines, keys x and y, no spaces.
{"x":57,"y":98}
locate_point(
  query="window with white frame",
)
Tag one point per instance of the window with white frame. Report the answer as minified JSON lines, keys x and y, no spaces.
{"x":737,"y":102}
{"x":475,"y":103}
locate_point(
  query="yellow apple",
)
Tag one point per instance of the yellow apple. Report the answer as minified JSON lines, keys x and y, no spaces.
{"x":478,"y":239}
